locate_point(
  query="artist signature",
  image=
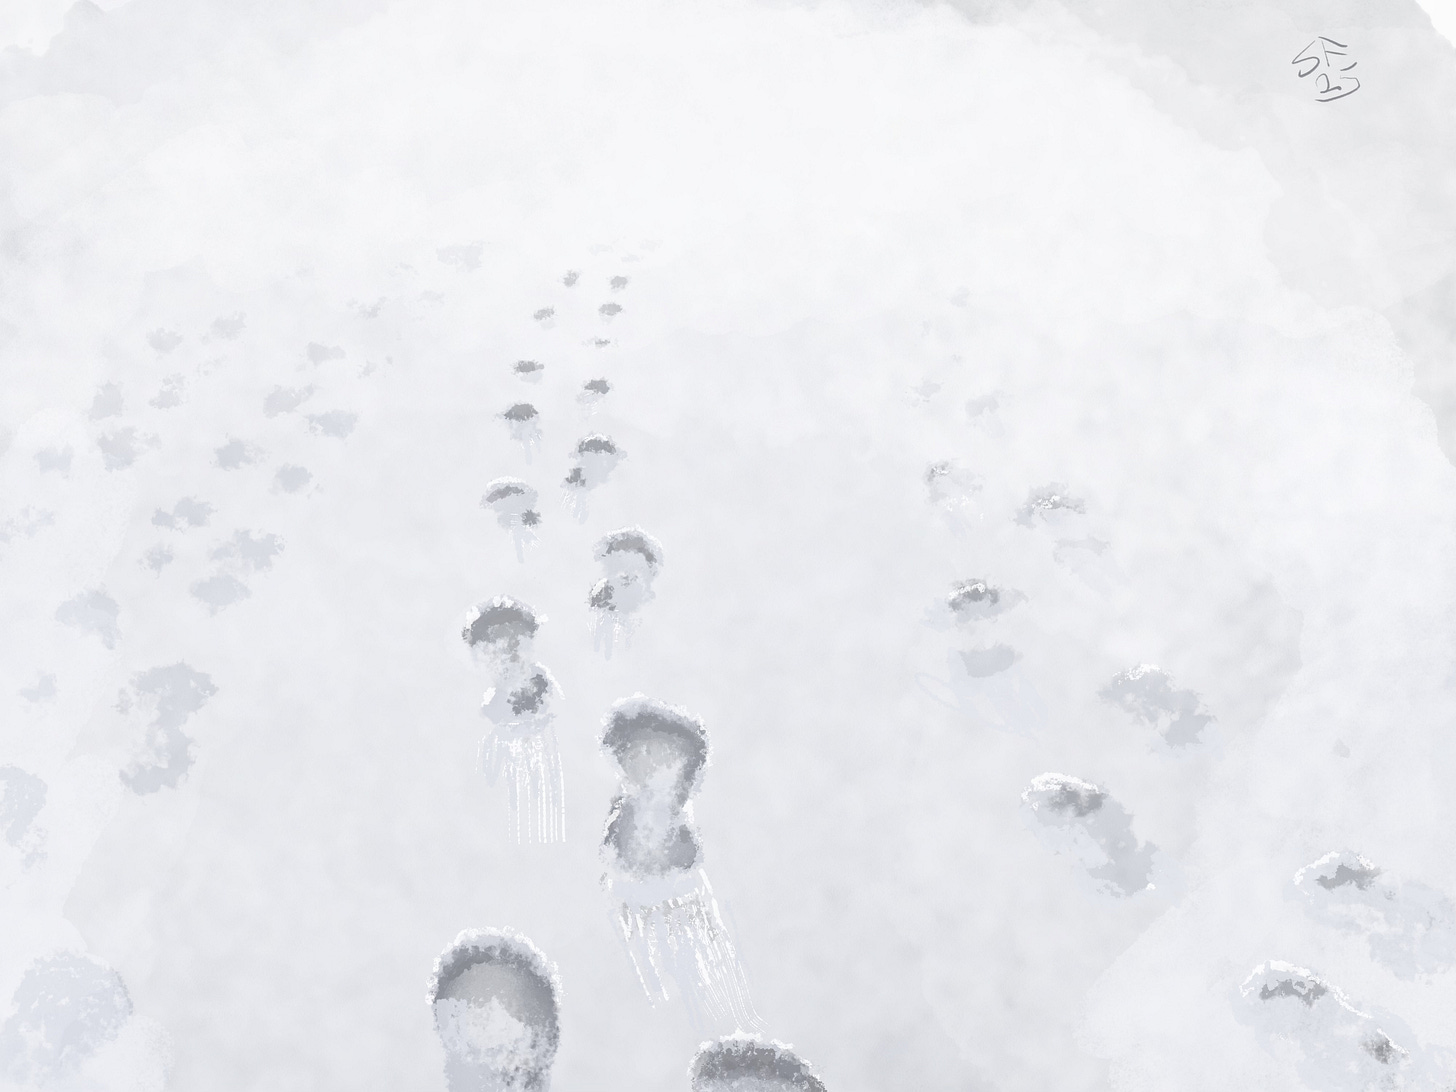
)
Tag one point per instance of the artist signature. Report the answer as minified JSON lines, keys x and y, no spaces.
{"x":1317,"y":56}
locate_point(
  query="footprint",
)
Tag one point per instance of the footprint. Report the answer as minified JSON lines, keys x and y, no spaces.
{"x":1052,"y":507}
{"x":170,"y":394}
{"x":167,"y":697}
{"x":187,"y":512}
{"x":236,"y":454}
{"x":243,"y":553}
{"x":336,"y":423}
{"x":92,"y":611}
{"x":609,"y":310}
{"x":523,"y":422}
{"x":22,"y":798}
{"x":464,"y":256}
{"x":164,"y":341}
{"x":321,"y":354}
{"x":498,"y":631}
{"x":1338,"y":1045}
{"x":123,"y":447}
{"x":592,"y":393}
{"x":1076,"y":818}
{"x":980,"y":682}
{"x":66,"y":1007}
{"x":55,"y":458}
{"x":529,"y":370}
{"x":107,"y":403}
{"x":630,"y":560}
{"x":952,"y":490}
{"x":572,"y":276}
{"x":229,"y":327}
{"x":982,"y":663}
{"x":1411,"y":927}
{"x":43,"y":690}
{"x":545,"y":316}
{"x":1147,"y":692}
{"x":666,"y":911}
{"x":595,"y":458}
{"x":497,"y":1007}
{"x":618,"y":283}
{"x":157,"y":558}
{"x":285,"y":400}
{"x":521,"y":747}
{"x":978,"y":600}
{"x":220,"y":591}
{"x":745,"y":1063}
{"x":514,"y":505}
{"x":290,"y":478}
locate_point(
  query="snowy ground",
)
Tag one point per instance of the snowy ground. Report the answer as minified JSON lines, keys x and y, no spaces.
{"x":1012,"y":391}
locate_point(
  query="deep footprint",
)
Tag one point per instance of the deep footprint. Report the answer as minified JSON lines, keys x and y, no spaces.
{"x":743,"y":1063}
{"x":666,"y":911}
{"x":496,"y":1004}
{"x":521,"y":748}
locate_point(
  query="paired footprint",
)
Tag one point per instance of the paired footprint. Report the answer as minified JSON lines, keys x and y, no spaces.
{"x":494,"y":995}
{"x":1338,"y":1044}
{"x":521,"y":748}
{"x":630,"y":559}
{"x":1410,"y":929}
{"x":666,"y":913}
{"x":1409,"y":926}
{"x":496,"y":1001}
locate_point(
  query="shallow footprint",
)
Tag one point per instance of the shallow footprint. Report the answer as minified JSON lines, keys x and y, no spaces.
{"x":496,"y":1000}
{"x":1074,"y":817}
{"x":166,"y":697}
{"x":1054,"y":508}
{"x":22,"y":798}
{"x":529,"y":370}
{"x":1411,"y":927}
{"x":1147,"y":692}
{"x":523,"y":423}
{"x":514,"y":504}
{"x":592,"y":393}
{"x":953,"y":490}
{"x":66,"y":1007}
{"x":744,"y":1063}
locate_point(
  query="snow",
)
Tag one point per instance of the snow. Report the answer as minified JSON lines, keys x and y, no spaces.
{"x":854,"y":310}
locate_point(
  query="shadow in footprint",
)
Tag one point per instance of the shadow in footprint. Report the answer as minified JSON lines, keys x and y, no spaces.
{"x":514,"y":504}
{"x":167,"y":696}
{"x":66,"y":1007}
{"x":1076,"y":818}
{"x":22,"y":798}
{"x":666,"y":913}
{"x":1147,"y":693}
{"x":630,"y":559}
{"x":1410,"y":927}
{"x":746,"y":1063}
{"x":95,"y":612}
{"x":595,"y":458}
{"x":521,"y":748}
{"x":496,"y":1002}
{"x":1339,"y":1045}
{"x":523,"y":422}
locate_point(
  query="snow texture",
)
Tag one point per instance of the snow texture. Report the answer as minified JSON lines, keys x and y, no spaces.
{"x":1012,"y":385}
